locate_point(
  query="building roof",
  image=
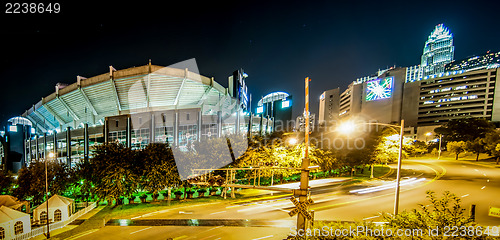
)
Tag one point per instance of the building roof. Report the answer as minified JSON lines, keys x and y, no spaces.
{"x":271,"y":97}
{"x":56,"y":201}
{"x":20,"y":121}
{"x":10,"y":201}
{"x":8,"y":214}
{"x":136,"y":89}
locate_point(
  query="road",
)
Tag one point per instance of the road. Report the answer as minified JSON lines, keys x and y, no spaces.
{"x":243,"y":219}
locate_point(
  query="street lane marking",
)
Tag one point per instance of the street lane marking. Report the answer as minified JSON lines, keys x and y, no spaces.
{"x":261,"y":198}
{"x":207,"y":237}
{"x":141,"y":230}
{"x":465,"y":195}
{"x":263,"y":237}
{"x":180,"y":237}
{"x":218,"y":212}
{"x":370,"y":217}
{"x":483,"y":187}
{"x":82,"y":234}
{"x":188,"y":212}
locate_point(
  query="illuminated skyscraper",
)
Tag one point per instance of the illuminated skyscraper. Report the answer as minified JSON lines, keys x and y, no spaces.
{"x":438,"y":51}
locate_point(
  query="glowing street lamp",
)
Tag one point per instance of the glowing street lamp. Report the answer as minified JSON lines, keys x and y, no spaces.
{"x":427,"y":135}
{"x":292,"y":141}
{"x":349,"y":127}
{"x":346,"y":127}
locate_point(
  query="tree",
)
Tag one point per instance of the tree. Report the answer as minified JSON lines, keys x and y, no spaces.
{"x":158,"y":169}
{"x":476,"y":146}
{"x":492,"y":144}
{"x":465,"y":129}
{"x":31,"y":180}
{"x":416,"y":148}
{"x":456,"y":147}
{"x":115,"y":171}
{"x":6,"y":182}
{"x":440,"y":213}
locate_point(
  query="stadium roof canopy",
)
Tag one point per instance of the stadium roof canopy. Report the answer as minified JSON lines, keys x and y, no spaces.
{"x":131,"y":90}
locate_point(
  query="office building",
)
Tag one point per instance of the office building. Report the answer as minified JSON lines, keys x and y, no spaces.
{"x":329,"y":107}
{"x":438,"y":51}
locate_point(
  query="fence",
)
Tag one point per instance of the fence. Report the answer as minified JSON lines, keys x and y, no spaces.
{"x":53,"y":226}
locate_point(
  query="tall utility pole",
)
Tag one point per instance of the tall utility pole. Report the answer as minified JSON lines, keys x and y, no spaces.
{"x":398,"y":177}
{"x":439,"y":152}
{"x":304,"y":174}
{"x":47,"y":194}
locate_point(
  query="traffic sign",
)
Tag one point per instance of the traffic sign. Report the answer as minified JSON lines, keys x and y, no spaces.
{"x":301,"y":207}
{"x":494,"y":212}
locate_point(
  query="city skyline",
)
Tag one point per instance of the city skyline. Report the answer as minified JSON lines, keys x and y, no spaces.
{"x":307,"y":45}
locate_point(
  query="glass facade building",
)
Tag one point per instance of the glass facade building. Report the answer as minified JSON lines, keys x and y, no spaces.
{"x":438,"y":51}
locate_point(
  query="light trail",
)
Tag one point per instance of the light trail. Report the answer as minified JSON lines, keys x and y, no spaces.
{"x":387,"y":186}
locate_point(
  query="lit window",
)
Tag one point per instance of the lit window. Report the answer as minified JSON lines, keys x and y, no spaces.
{"x":428,"y":102}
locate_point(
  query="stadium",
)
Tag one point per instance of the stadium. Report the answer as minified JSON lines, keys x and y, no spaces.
{"x":134,"y":106}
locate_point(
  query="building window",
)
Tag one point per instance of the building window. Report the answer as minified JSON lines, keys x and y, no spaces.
{"x":118,"y":137}
{"x":187,"y":116}
{"x":18,"y":228}
{"x":140,"y":138}
{"x":2,"y":233}
{"x":187,"y":134}
{"x":43,"y":217}
{"x":57,"y":215}
{"x":164,"y":135}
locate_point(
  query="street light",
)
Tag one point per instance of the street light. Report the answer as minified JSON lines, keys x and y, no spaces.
{"x":292,"y":141}
{"x":427,"y":135}
{"x":349,"y":127}
{"x":51,"y":155}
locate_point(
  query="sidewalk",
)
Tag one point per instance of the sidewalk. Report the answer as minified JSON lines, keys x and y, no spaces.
{"x":94,"y":219}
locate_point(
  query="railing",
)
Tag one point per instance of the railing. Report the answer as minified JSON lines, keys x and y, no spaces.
{"x":53,"y":226}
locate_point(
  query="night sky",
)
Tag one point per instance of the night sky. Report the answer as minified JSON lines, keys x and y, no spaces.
{"x":278,"y":44}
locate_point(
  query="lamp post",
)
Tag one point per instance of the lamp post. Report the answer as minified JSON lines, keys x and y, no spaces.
{"x":348,"y":127}
{"x":51,"y":155}
{"x":439,"y":151}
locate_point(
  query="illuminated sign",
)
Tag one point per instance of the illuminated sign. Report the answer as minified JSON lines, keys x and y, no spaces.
{"x":260,"y":110}
{"x":379,"y":89}
{"x":12,"y":128}
{"x":285,"y":104}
